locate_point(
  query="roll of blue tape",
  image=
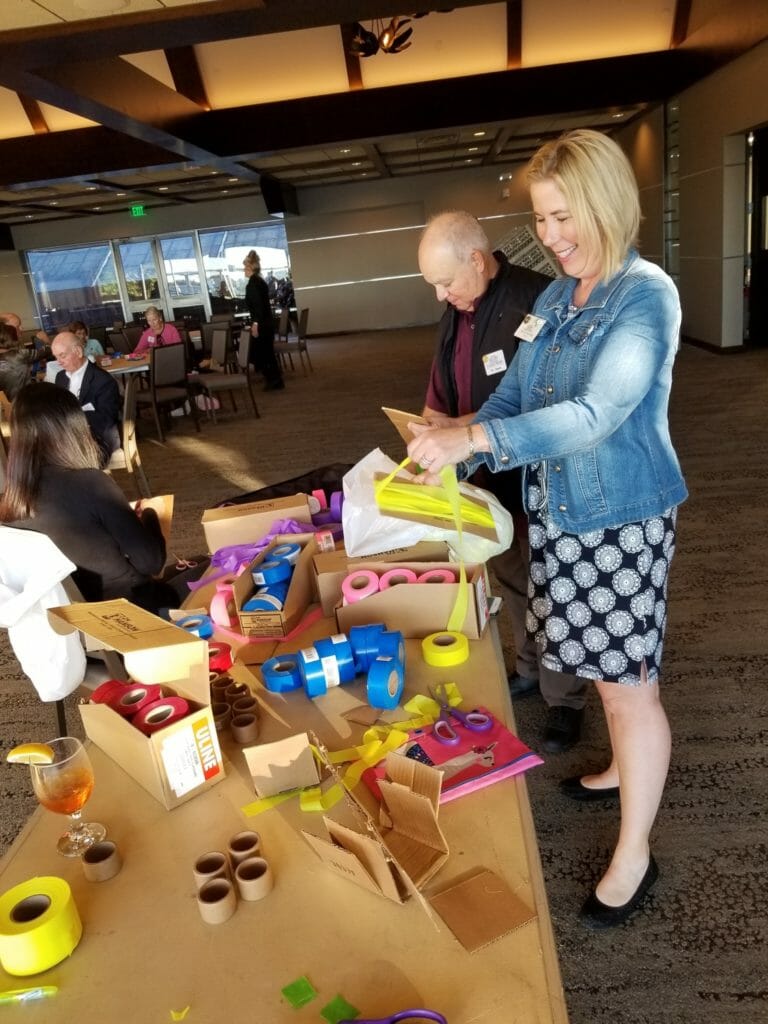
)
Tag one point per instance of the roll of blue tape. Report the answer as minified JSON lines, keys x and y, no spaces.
{"x":392,"y":645}
{"x":198,"y":625}
{"x":290,"y":552}
{"x":385,"y":684}
{"x":364,"y":640}
{"x":278,"y":590}
{"x":312,"y":673}
{"x":272,"y":570}
{"x":281,"y":675}
{"x":339,"y":649}
{"x":262,"y":603}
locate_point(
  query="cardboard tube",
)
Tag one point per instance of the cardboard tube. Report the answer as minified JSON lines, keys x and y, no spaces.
{"x":210,"y":866}
{"x":101,"y":861}
{"x":245,"y":706}
{"x":245,"y":729}
{"x":243,"y":846}
{"x":217,"y":901}
{"x":235,"y":691}
{"x":219,"y":686}
{"x":222,"y":715}
{"x":254,"y":879}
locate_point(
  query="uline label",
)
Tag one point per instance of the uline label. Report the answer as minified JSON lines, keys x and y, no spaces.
{"x":207,"y":750}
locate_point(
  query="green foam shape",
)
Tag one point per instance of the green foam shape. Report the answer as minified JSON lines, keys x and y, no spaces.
{"x":299,"y":992}
{"x":339,"y":1009}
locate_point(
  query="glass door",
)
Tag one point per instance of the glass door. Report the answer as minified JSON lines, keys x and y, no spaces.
{"x":181,"y":262}
{"x":141,"y":280}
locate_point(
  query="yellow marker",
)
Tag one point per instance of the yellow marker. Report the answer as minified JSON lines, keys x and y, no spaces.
{"x":30,"y":753}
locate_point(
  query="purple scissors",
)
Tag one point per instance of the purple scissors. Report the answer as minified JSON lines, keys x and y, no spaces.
{"x":443,"y":730}
{"x":414,"y":1015}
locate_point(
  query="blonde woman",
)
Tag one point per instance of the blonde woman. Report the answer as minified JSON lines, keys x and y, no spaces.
{"x":262,"y":348}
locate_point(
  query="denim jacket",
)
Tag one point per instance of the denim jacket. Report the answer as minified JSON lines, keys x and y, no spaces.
{"x":588,"y":398}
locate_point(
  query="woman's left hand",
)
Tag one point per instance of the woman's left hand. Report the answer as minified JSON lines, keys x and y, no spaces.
{"x":434,"y":447}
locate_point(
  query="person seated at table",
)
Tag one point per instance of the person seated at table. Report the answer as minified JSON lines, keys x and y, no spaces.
{"x":91,"y":347}
{"x":40,"y":343}
{"x":54,"y":486}
{"x":97,"y":392}
{"x":15,"y":363}
{"x":158,"y":332}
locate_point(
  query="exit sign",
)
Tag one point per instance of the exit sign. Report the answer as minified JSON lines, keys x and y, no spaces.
{"x":138,"y":210}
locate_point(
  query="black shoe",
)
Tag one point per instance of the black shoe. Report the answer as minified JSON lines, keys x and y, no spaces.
{"x":595,"y":914}
{"x":576,"y":790}
{"x":562,"y":730}
{"x":522,"y":686}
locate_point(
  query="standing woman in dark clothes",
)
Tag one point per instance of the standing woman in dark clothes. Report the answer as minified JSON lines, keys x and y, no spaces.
{"x":262,"y":354}
{"x":54,"y":486}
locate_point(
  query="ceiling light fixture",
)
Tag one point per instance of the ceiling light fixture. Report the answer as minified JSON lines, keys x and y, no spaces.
{"x":391,"y":38}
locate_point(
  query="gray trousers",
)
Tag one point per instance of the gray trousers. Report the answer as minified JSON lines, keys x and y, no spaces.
{"x":511,"y":570}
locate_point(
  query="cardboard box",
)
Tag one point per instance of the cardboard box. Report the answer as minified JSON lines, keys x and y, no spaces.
{"x":245,"y":524}
{"x":284,"y":765}
{"x":331,"y":567}
{"x":419,"y":609}
{"x":300,"y":593}
{"x":183,"y":759}
{"x":396,"y":856}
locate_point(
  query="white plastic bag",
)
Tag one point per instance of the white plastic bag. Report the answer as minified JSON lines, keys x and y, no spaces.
{"x":368,"y":532}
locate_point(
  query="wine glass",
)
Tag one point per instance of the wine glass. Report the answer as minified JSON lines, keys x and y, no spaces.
{"x":63,"y":786}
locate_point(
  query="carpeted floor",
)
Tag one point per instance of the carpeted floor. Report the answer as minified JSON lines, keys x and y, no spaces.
{"x":696,"y":955}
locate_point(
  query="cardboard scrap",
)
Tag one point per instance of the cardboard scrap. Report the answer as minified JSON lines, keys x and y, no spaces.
{"x":481,"y":909}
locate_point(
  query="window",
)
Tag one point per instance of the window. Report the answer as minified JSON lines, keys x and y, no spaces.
{"x":75,"y":284}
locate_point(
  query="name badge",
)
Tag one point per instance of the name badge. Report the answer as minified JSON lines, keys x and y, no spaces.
{"x":494,"y":362}
{"x":530,"y":327}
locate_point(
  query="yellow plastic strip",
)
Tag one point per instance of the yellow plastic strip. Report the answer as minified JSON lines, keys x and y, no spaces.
{"x":268,"y":802}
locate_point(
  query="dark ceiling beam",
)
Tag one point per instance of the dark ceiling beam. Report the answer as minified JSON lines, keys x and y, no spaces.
{"x":185,"y":71}
{"x":34,"y":114}
{"x":497,"y":145}
{"x":680,"y":21}
{"x":373,"y":154}
{"x":354,"y":70}
{"x":514,"y":34}
{"x":188,"y":25}
{"x":432,"y":106}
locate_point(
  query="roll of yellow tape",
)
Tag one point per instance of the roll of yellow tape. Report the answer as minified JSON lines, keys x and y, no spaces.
{"x":443,"y":650}
{"x":39,"y":925}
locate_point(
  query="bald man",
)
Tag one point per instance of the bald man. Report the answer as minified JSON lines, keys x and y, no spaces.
{"x":97,"y":392}
{"x":487,"y":298}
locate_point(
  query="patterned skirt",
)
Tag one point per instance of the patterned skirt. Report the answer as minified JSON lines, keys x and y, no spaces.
{"x":597,"y":602}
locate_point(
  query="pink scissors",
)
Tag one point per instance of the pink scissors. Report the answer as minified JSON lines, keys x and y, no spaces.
{"x":443,"y":730}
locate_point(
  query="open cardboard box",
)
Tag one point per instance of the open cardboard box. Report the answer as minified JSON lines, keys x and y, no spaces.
{"x":300,"y":592}
{"x":177,"y":762}
{"x":418,"y":609}
{"x":331,"y":567}
{"x":396,"y":856}
{"x":245,"y":524}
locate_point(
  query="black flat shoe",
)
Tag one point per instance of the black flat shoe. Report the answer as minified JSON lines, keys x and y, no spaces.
{"x":595,"y":914}
{"x":576,"y":790}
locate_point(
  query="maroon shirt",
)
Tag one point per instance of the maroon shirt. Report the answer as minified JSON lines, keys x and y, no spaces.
{"x":462,"y":369}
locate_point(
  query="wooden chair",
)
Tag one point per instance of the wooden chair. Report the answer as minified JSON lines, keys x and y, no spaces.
{"x":127,"y":455}
{"x":224,"y":379}
{"x":168,"y":383}
{"x":286,"y":347}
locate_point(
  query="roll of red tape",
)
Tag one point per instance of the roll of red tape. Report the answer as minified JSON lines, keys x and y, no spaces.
{"x":133,"y":699}
{"x":359,"y":584}
{"x":159,"y":714}
{"x":392,"y":577}
{"x":219,"y":656}
{"x":107,"y":690}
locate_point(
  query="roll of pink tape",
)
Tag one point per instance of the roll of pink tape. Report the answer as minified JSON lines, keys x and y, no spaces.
{"x":161,"y":713}
{"x":319,"y":494}
{"x":359,"y":584}
{"x":220,"y":603}
{"x":437,"y":576}
{"x":394,"y":576}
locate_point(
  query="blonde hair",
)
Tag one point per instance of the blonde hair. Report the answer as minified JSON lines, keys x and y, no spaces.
{"x":597,"y":180}
{"x":252,"y":260}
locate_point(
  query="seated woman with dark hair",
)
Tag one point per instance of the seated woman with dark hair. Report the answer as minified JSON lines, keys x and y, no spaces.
{"x":15,"y":363}
{"x":54,"y":486}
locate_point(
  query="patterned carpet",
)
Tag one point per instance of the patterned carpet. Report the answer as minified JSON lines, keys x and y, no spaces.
{"x":696,"y":954}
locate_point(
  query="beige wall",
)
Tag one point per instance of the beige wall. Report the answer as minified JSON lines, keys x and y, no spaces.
{"x":15,"y":296}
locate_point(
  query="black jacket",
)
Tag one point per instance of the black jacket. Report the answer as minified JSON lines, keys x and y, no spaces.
{"x":510,"y":296}
{"x":100,"y":390}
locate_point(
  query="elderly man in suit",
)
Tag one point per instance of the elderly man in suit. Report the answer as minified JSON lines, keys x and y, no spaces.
{"x":97,"y":392}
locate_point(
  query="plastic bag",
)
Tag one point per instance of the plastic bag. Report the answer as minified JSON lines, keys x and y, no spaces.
{"x":368,"y":532}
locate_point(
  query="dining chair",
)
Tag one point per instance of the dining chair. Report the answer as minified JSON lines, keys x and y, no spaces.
{"x":168,"y":384}
{"x":119,"y":342}
{"x":133,"y":333}
{"x":127,"y":455}
{"x":286,"y":347}
{"x":222,"y":378}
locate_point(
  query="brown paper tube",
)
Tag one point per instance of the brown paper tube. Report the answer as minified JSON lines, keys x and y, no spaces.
{"x":219,"y":686}
{"x":254,"y":878}
{"x":222,"y":715}
{"x":235,"y":691}
{"x":101,"y":861}
{"x":243,"y":846}
{"x":209,"y":866}
{"x":217,"y":901}
{"x":245,"y":729}
{"x":246,"y":706}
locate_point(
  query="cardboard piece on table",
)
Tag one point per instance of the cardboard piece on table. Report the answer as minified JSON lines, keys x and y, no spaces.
{"x":184,"y":758}
{"x":363,"y":714}
{"x":278,"y":767}
{"x":249,"y":522}
{"x":400,"y":421}
{"x":480,"y":909}
{"x":163,"y":506}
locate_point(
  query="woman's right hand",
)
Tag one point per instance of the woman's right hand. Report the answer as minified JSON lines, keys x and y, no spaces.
{"x":254,"y":330}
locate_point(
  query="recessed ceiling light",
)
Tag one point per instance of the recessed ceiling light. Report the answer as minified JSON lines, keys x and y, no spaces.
{"x":90,"y":188}
{"x":617,"y":117}
{"x":162,"y":188}
{"x":478,"y":135}
{"x":97,"y":207}
{"x":54,"y":202}
{"x":225,"y":191}
{"x":232,"y":179}
{"x":30,"y":217}
{"x":473,"y":149}
{"x":121,"y":194}
{"x":345,"y":150}
{"x":357,"y":163}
